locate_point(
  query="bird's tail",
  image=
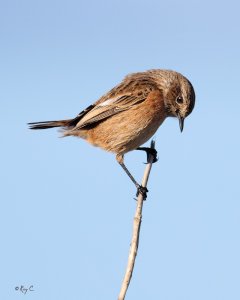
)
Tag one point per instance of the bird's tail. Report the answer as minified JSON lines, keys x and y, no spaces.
{"x":50,"y":124}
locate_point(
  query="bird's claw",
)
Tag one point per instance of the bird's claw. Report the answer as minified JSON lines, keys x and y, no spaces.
{"x":143,"y":191}
{"x":150,"y":151}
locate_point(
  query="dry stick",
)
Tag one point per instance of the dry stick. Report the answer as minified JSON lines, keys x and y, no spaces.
{"x":136,"y":230}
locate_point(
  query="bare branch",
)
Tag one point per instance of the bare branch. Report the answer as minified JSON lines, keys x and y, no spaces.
{"x":136,"y":230}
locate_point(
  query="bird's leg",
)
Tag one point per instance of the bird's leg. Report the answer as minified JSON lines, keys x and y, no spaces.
{"x":140,"y":189}
{"x":149,"y":151}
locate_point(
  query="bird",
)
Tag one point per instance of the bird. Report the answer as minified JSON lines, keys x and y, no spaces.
{"x":129,"y":114}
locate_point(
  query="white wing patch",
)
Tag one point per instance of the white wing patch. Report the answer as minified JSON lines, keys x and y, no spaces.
{"x":107,"y":102}
{"x":112,"y":100}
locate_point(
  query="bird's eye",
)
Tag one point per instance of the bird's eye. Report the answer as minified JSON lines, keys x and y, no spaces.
{"x":179,"y":100}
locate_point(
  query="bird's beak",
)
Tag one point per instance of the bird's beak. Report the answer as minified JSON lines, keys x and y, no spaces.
{"x":181,"y":122}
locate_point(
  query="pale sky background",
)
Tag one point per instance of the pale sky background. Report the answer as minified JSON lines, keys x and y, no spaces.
{"x":67,"y":207}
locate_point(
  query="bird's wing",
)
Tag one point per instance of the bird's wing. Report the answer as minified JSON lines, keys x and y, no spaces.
{"x":113,"y":104}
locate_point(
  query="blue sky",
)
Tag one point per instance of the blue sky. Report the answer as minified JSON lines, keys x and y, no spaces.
{"x":66,"y":207}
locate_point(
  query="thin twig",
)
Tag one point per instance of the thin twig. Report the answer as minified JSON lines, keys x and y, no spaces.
{"x":136,"y":230}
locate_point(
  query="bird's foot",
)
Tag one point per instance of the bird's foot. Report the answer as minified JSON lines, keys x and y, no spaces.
{"x":149,"y":151}
{"x":143,"y":191}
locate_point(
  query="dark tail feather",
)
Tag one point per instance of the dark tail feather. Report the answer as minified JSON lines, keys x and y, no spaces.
{"x":49,"y":124}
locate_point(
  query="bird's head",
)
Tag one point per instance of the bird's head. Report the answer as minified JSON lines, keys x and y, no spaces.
{"x":179,"y":97}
